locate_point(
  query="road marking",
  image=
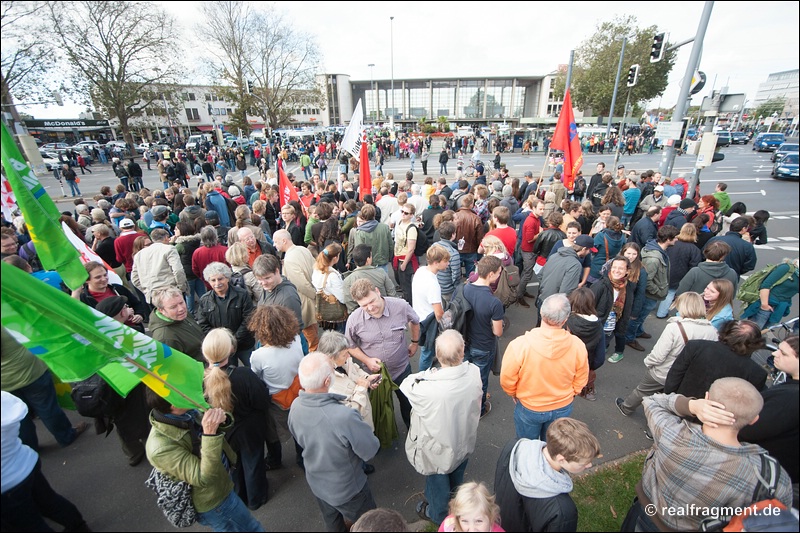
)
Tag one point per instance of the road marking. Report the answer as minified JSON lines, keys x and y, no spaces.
{"x":724,"y":171}
{"x":762,"y":192}
{"x":764,"y":247}
{"x":790,"y":248}
{"x":781,"y":218}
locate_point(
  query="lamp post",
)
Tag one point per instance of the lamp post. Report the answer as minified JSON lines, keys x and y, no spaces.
{"x":372,"y":88}
{"x":391,"y":51}
{"x":616,"y":85}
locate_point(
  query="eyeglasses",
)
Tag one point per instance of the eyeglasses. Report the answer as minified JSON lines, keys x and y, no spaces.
{"x":407,"y":212}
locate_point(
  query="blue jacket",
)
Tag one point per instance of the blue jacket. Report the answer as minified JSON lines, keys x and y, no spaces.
{"x":216,"y":202}
{"x":615,"y":240}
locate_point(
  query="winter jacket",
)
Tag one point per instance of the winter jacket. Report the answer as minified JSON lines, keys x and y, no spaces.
{"x":700,"y":276}
{"x":158,"y":266}
{"x":676,"y":218}
{"x":216,"y":202}
{"x":285,"y":294}
{"x":169,"y":450}
{"x":378,"y":236}
{"x":608,"y":243}
{"x":683,"y":256}
{"x":139,"y":307}
{"x":186,"y":245}
{"x":656,"y":263}
{"x":335,"y":443}
{"x":529,"y":492}
{"x":232,"y":312}
{"x":548,"y":238}
{"x":449,"y":277}
{"x":185,"y":335}
{"x":702,"y":362}
{"x":742,"y":258}
{"x":643,"y":231}
{"x":670,"y":344}
{"x":561,"y":274}
{"x":446,"y":407}
{"x":469,"y":228}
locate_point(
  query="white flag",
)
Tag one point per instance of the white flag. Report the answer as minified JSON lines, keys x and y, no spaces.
{"x":351,"y":141}
{"x":87,"y":254}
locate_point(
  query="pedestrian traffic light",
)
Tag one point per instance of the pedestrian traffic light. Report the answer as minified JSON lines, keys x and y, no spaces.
{"x":633,"y":75}
{"x":657,"y":51}
{"x":248,"y":86}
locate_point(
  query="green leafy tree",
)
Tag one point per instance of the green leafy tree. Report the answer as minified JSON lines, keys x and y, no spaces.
{"x":773,"y":105}
{"x":595,"y":68}
{"x":117,"y":56}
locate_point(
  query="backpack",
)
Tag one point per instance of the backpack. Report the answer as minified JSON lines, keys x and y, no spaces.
{"x":507,"y":284}
{"x":749,"y":289}
{"x":716,"y":226}
{"x":422,"y":243}
{"x":94,"y":398}
{"x":579,"y":187}
{"x":457,"y":314}
{"x":237,"y":278}
{"x":766,"y":513}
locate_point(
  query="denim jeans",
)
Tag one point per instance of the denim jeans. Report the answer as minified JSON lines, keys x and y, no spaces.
{"x":533,"y":424}
{"x":196,"y":289}
{"x":40,"y":397}
{"x":334,"y":517}
{"x":761,"y":318}
{"x":635,"y":325}
{"x":483,"y":359}
{"x":425,"y":358}
{"x":468,"y":262}
{"x":443,"y":168}
{"x":26,"y":505}
{"x":73,"y":188}
{"x":439,"y":488}
{"x":663,"y":307}
{"x":230,"y":515}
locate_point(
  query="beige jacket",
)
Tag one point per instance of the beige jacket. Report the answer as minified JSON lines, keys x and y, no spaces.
{"x":298,"y":267}
{"x":670,"y":344}
{"x":158,"y":266}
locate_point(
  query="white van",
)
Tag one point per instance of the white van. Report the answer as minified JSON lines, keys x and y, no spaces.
{"x":194,"y":141}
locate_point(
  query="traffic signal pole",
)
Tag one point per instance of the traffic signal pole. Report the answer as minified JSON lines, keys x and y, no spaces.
{"x":668,"y":156}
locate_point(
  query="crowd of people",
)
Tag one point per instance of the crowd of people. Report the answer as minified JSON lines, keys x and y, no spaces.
{"x":307,"y":317}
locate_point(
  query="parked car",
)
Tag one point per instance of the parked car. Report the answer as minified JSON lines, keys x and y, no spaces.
{"x":784,"y":149}
{"x":739,"y":137}
{"x":50,"y":159}
{"x":788,"y":167}
{"x":55,"y":147}
{"x":88,"y":145}
{"x":724,"y":138}
{"x":768,"y":141}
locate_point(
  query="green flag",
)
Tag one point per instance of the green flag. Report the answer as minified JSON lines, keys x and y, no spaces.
{"x":41,"y":216}
{"x":77,"y":341}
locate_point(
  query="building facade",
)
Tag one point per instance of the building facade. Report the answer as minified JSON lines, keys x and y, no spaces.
{"x":785,"y":85}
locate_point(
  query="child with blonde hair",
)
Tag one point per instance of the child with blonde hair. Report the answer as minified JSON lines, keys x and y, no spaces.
{"x":472,"y":509}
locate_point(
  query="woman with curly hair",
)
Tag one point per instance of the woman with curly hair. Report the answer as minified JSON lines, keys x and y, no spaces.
{"x":276,"y":362}
{"x":238,"y":391}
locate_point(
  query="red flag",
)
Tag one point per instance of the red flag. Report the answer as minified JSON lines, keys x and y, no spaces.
{"x":566,"y":139}
{"x":364,"y":176}
{"x":288,"y":192}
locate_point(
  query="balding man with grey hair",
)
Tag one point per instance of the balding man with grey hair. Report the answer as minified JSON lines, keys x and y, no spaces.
{"x":416,"y":199}
{"x":543,"y":370}
{"x":335,"y":441}
{"x":298,"y":266}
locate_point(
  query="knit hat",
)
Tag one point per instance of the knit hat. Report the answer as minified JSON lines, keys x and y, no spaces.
{"x":675,"y":199}
{"x":687,"y":203}
{"x":497,"y":185}
{"x":159,"y":211}
{"x":508,"y":190}
{"x":112,"y":305}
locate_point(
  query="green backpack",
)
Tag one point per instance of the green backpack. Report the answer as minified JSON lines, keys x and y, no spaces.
{"x":749,"y":289}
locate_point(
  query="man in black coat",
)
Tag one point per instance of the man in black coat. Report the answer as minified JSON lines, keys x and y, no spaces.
{"x":647,"y":227}
{"x":681,"y":215}
{"x":742,"y":258}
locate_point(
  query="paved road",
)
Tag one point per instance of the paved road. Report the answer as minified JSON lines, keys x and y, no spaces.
{"x":94,"y":474}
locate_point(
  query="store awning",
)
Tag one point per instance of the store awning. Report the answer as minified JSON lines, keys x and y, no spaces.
{"x":204,"y":128}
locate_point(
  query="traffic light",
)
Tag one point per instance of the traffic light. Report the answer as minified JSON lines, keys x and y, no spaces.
{"x":657,"y":51}
{"x":248,"y":86}
{"x":209,"y":109}
{"x":633,"y":75}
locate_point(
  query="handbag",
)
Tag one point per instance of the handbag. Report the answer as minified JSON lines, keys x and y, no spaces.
{"x":329,"y":309}
{"x":174,"y":498}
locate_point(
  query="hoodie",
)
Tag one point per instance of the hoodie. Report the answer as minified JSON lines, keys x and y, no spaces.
{"x":532,"y":475}
{"x":700,"y":276}
{"x":377,"y":235}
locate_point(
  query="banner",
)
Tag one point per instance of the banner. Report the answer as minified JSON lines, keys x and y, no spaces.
{"x":351,"y":141}
{"x":287,"y":190}
{"x":364,"y":175}
{"x":41,"y":216}
{"x":87,"y":254}
{"x":77,"y":341}
{"x":566,"y":139}
{"x":9,"y":202}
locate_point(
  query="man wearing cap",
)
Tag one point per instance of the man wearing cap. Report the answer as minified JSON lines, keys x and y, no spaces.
{"x":563,"y":271}
{"x":672,"y":204}
{"x":117,"y":308}
{"x":123,"y":245}
{"x":160,"y":214}
{"x":620,"y":174}
{"x":657,"y":198}
{"x":680,"y":216}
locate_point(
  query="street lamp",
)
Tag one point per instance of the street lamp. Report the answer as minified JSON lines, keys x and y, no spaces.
{"x":616,"y":84}
{"x":372,"y":88}
{"x":391,"y":51}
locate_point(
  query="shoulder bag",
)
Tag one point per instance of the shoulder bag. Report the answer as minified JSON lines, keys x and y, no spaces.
{"x":174,"y":498}
{"x":329,"y":309}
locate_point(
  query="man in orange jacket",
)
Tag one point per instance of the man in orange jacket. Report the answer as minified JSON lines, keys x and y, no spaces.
{"x":543,"y":370}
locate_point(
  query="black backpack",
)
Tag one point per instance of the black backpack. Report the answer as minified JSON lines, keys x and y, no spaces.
{"x":422,"y":243}
{"x":458,"y":312}
{"x":94,"y":398}
{"x":237,"y":278}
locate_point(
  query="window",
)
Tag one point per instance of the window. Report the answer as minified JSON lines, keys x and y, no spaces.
{"x":192,"y":114}
{"x":190,"y":97}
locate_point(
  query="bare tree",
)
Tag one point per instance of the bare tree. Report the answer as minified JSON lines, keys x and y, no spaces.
{"x":123,"y":56}
{"x":27,"y":55}
{"x":261,"y":47}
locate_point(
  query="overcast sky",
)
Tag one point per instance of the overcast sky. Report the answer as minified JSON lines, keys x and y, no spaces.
{"x":744,"y":43}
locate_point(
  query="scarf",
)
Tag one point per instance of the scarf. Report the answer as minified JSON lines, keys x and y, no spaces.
{"x":619,"y":303}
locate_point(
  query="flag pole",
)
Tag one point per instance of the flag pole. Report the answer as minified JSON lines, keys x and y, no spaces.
{"x":164,"y":382}
{"x":546,"y":159}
